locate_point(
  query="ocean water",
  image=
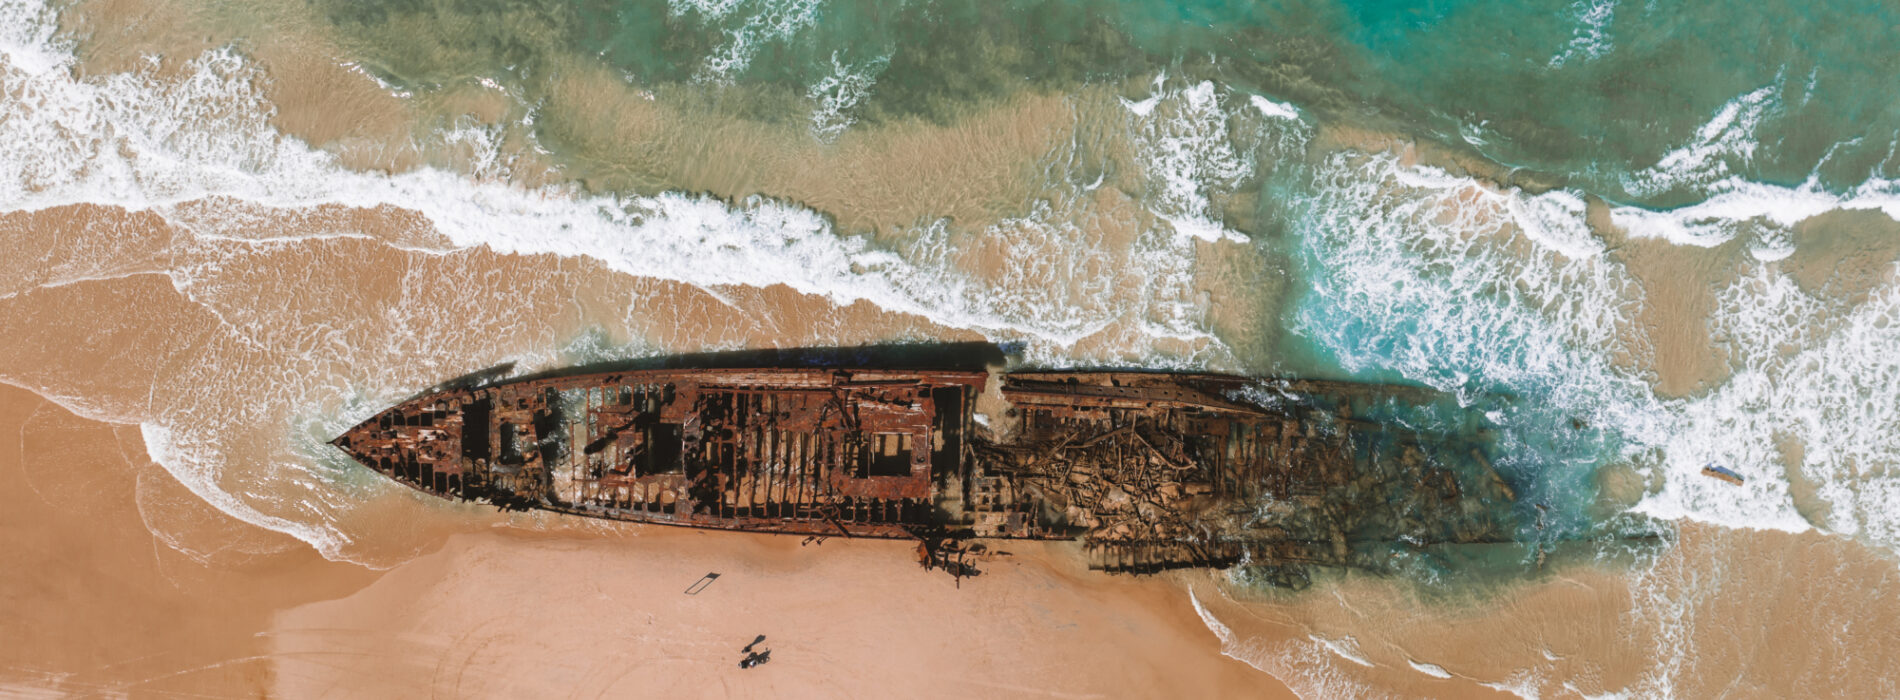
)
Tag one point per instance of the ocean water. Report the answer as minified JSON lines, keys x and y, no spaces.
{"x":1626,"y":240}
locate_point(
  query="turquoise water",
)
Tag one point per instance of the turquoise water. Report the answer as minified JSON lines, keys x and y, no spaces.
{"x":1622,"y":239}
{"x":1590,"y":91}
{"x":1749,"y":117}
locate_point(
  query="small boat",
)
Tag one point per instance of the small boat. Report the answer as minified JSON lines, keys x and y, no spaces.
{"x":1722,"y":473}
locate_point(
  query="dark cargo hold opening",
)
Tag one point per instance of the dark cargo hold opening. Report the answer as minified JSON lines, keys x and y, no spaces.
{"x":661,"y":454}
{"x":475,"y":429}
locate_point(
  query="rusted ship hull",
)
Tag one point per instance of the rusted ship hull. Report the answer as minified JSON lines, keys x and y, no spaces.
{"x":1151,"y":470}
{"x":783,"y":450}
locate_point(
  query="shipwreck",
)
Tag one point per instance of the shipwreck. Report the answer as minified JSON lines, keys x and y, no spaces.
{"x":1148,"y":470}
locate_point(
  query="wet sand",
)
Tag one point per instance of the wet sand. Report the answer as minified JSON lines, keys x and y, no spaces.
{"x":114,"y":589}
{"x":96,"y":602}
{"x":131,"y":583}
{"x":134,"y":584}
{"x":236,"y":324}
{"x":100,"y":600}
{"x":1721,"y":613}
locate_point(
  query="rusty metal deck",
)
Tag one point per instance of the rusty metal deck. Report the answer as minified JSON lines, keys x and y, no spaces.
{"x":1150,"y":470}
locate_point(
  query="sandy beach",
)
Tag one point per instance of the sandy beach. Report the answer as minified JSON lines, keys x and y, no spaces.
{"x":511,"y":613}
{"x":1634,"y":240}
{"x":111,"y":594}
{"x":502,"y":615}
{"x":98,"y":603}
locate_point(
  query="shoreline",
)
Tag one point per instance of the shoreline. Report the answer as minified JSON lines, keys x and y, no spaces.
{"x":157,"y":592}
{"x":266,"y":615}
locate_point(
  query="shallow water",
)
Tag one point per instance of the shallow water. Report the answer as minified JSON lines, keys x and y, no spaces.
{"x":1626,"y":240}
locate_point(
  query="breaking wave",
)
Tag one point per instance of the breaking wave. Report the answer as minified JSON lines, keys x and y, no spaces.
{"x":1715,"y":165}
{"x":837,"y":95}
{"x":199,"y":150}
{"x":747,"y":26}
{"x":1412,"y":272}
{"x":1479,"y":291}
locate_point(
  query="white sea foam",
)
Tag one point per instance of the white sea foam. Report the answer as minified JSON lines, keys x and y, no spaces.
{"x":1417,"y":258}
{"x":1591,"y":38}
{"x":1522,"y":684}
{"x":1666,"y":594}
{"x":1345,"y":647}
{"x":145,"y":144}
{"x":1729,"y":203}
{"x":1059,"y":269}
{"x":1187,"y":149}
{"x":1736,"y":203}
{"x":1220,"y":629}
{"x":1272,"y":109}
{"x":1473,"y":133}
{"x":199,"y":147}
{"x":1596,"y":696}
{"x":835,"y":96}
{"x":387,"y":87}
{"x":1147,"y":104}
{"x":1306,"y":667}
{"x":1417,"y":255}
{"x":763,"y":21}
{"x":1728,"y":136}
{"x":29,"y":38}
{"x":1433,"y":670}
{"x":1554,"y":220}
{"x":1414,"y":276}
{"x":194,"y":464}
{"x":1809,"y":373}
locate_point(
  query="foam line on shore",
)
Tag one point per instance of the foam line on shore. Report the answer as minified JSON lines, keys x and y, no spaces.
{"x":208,"y":135}
{"x":168,"y":144}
